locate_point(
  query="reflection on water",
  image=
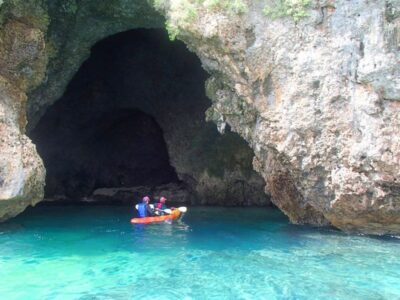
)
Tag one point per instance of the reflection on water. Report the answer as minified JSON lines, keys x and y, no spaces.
{"x":213,"y":253}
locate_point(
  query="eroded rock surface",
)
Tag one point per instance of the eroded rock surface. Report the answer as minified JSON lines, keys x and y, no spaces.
{"x":317,"y":100}
{"x":22,"y":64}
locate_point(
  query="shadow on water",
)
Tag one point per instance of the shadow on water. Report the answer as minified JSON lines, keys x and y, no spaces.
{"x":210,"y":221}
{"x":9,"y":227}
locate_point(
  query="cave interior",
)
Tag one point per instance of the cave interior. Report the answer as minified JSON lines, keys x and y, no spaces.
{"x":132,"y":120}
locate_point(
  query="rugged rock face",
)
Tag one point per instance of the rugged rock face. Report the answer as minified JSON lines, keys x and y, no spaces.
{"x":21,"y":51}
{"x":21,"y":169}
{"x":317,"y":99}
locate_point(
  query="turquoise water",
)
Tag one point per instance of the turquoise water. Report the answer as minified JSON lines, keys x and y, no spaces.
{"x":214,"y":253}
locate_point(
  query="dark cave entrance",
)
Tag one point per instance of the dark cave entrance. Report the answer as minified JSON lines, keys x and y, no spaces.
{"x":126,"y":148}
{"x":100,"y":134}
{"x":132,"y":122}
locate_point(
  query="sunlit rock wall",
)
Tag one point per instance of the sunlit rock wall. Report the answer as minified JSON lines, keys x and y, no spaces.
{"x":23,"y":61}
{"x":317,"y":98}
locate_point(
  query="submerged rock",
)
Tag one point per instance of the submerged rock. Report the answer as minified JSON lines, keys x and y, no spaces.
{"x":315,"y":94}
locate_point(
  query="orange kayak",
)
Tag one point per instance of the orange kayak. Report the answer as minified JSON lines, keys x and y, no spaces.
{"x":175,"y":214}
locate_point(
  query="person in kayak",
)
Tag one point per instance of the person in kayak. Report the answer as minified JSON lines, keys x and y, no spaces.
{"x":160,"y":206}
{"x":144,"y":209}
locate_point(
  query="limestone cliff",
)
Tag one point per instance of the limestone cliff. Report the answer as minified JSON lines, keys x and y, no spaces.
{"x":23,"y":62}
{"x":316,"y":98}
{"x":314,"y":89}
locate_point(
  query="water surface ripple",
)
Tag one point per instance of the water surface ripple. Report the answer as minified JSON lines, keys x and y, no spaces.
{"x":214,"y":253}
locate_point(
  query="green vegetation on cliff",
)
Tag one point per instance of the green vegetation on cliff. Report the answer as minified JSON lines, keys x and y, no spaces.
{"x":183,"y":12}
{"x":296,"y":9}
{"x":180,"y":13}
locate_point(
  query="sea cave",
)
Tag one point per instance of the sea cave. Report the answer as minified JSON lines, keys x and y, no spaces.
{"x":271,"y":128}
{"x":132,"y":122}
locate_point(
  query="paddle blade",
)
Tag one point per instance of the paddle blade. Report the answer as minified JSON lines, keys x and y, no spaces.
{"x":182,"y":209}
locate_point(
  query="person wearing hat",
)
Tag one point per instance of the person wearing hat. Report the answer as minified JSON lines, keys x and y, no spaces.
{"x":144,"y":209}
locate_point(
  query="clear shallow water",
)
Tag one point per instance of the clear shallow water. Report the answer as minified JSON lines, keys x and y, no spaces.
{"x":214,"y":253}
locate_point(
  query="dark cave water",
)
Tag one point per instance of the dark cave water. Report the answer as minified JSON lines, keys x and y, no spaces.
{"x":93,"y":252}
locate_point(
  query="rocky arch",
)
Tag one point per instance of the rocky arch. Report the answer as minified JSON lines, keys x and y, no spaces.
{"x":104,"y":132}
{"x":315,"y":98}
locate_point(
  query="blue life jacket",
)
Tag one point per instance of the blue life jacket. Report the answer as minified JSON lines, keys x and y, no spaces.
{"x":142,"y":210}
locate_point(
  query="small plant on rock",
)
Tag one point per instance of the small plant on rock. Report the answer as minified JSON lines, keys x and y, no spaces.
{"x":232,"y":6}
{"x":296,"y":9}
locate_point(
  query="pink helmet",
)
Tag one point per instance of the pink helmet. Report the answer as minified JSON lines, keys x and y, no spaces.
{"x":146,"y":199}
{"x":163,"y":199}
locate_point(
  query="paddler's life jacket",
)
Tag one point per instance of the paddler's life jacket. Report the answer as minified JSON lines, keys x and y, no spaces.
{"x":160,"y":205}
{"x":142,"y":210}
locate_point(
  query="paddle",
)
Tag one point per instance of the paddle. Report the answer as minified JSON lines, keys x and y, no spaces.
{"x":151,"y":206}
{"x":182,"y":209}
{"x":167,"y":210}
